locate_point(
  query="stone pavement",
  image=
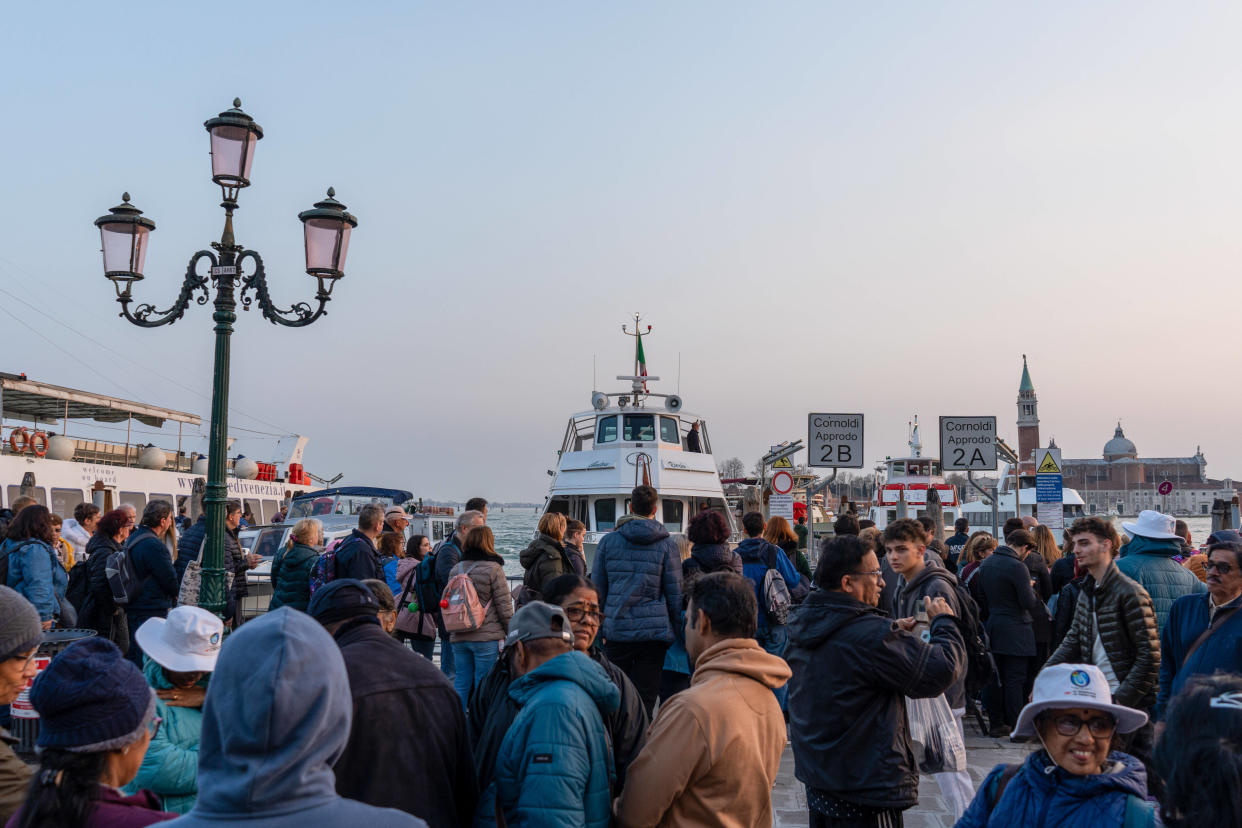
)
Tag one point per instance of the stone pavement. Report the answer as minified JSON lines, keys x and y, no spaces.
{"x":982,"y":754}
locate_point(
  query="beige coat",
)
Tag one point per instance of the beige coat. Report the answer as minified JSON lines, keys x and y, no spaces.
{"x":713,"y":752}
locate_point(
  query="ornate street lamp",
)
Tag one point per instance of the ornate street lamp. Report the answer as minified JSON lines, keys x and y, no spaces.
{"x":125,"y":233}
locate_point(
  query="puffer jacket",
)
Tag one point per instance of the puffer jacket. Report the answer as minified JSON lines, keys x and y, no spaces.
{"x":709,"y":557}
{"x":291,"y":577}
{"x":1121,"y":611}
{"x":492,"y":710}
{"x":170,"y":768}
{"x":852,"y":669}
{"x":1150,"y":562}
{"x":153,"y":567}
{"x":755,"y":556}
{"x":492,"y":587}
{"x":1043,"y":794}
{"x":37,"y":575}
{"x":638,"y":576}
{"x":1221,"y":651}
{"x":544,"y":559}
{"x":555,"y":764}
{"x":189,"y":543}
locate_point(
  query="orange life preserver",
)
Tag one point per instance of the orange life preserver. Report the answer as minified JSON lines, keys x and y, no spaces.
{"x":14,"y":434}
{"x":38,"y":444}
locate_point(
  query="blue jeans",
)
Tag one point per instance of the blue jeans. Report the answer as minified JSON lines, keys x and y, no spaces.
{"x":775,"y":640}
{"x":474,"y":661}
{"x":446,"y":650}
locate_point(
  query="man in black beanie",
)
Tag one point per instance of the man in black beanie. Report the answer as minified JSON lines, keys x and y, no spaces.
{"x":404,"y":708}
{"x":20,"y":634}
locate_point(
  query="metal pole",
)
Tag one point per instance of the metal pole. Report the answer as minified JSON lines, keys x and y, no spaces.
{"x":995,"y":515}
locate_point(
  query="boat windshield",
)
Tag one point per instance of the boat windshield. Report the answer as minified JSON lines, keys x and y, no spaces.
{"x":338,"y":505}
{"x":639,"y":427}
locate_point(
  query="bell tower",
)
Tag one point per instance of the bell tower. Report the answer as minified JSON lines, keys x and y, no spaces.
{"x":1028,"y":417}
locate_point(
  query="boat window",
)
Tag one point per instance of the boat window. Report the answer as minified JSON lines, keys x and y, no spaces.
{"x":64,"y":501}
{"x":898,"y":468}
{"x":268,"y":542}
{"x":559,"y":505}
{"x":256,"y":511}
{"x":606,"y":431}
{"x":672,"y":514}
{"x":440,"y":530}
{"x":669,"y":432}
{"x":269,"y":510}
{"x":605,"y":515}
{"x":38,"y":493}
{"x":639,"y":427}
{"x":935,"y":467}
{"x":136,"y":499}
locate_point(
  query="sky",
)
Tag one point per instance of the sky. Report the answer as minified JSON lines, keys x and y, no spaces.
{"x":817,"y":206}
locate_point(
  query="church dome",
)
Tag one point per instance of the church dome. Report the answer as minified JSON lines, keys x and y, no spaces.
{"x":1119,"y":446}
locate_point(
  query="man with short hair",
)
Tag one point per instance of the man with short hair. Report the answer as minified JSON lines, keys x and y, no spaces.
{"x":935,"y":544}
{"x":555,"y":764}
{"x":1148,"y":559}
{"x":801,"y":531}
{"x":183,"y":520}
{"x":575,"y":536}
{"x":477,"y":504}
{"x":905,"y":541}
{"x":852,"y":671}
{"x":638,"y":575}
{"x":957,"y":542}
{"x":356,"y":556}
{"x":847,"y":524}
{"x":428,"y":771}
{"x":1204,"y":631}
{"x":714,"y":750}
{"x":446,"y":555}
{"x":153,"y":571}
{"x":758,"y":556}
{"x":79,"y":528}
{"x":1010,"y":526}
{"x":395,"y":520}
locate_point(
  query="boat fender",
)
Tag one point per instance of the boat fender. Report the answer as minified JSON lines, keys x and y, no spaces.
{"x":38,"y":444}
{"x":25,"y":441}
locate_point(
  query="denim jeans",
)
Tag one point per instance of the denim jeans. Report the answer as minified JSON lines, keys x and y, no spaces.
{"x":474,"y":661}
{"x":775,"y":640}
{"x":446,"y":650}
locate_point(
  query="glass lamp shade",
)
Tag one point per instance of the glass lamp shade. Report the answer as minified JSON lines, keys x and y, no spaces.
{"x":124,"y":233}
{"x":327,"y":229}
{"x":233,"y":138}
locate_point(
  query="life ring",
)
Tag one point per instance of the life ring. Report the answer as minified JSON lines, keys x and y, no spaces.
{"x":38,"y":444}
{"x":13,"y":435}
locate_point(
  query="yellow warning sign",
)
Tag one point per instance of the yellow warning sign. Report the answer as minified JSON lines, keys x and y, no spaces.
{"x":783,"y":463}
{"x":1048,"y":465}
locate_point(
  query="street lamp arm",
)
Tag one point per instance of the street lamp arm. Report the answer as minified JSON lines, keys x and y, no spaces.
{"x":297,"y":316}
{"x":142,"y":314}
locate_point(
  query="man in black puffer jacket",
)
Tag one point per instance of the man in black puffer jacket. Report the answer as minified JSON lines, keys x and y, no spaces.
{"x":153,"y":569}
{"x":852,"y":669}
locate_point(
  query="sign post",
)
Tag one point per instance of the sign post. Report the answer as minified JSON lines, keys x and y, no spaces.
{"x":780,"y":502}
{"x":1049,"y":494}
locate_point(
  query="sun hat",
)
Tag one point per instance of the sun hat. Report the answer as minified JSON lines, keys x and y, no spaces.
{"x":539,"y":620}
{"x":1152,"y":524}
{"x":1064,"y":686}
{"x":395,"y":510}
{"x":187,"y":641}
{"x":20,"y":628}
{"x":91,"y":699}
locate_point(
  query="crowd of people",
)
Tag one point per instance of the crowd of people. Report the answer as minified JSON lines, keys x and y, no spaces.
{"x":660,"y":685}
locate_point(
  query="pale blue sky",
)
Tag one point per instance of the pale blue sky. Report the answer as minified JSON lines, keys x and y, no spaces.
{"x":821,"y":206}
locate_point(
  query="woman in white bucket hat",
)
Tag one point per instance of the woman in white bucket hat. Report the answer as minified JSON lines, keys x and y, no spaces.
{"x":179,"y":652}
{"x":1076,"y":780}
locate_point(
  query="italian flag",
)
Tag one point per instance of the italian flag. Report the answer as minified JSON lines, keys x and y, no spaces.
{"x":641,"y":359}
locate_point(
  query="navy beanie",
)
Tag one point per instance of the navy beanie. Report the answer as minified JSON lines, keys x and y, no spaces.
{"x":91,"y":699}
{"x":342,"y":599}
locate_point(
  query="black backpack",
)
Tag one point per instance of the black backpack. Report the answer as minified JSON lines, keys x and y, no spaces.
{"x":79,"y":586}
{"x":980,"y":666}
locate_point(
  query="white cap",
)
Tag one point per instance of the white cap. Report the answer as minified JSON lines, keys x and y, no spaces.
{"x":1069,"y":686}
{"x":188,"y":641}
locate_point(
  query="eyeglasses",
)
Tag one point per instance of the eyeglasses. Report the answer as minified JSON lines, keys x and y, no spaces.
{"x":26,"y":659}
{"x":153,"y":726}
{"x":576,"y":613}
{"x":1220,"y":566}
{"x":874,"y":573}
{"x":1070,"y":725}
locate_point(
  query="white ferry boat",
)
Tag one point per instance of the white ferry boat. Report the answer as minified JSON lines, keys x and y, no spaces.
{"x":907,"y":481}
{"x":979,"y":512}
{"x":629,"y":438}
{"x":39,"y":459}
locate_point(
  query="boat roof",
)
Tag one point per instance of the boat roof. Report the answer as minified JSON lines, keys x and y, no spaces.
{"x":27,"y":399}
{"x":396,"y":495}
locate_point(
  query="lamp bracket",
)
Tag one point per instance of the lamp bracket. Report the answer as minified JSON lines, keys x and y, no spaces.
{"x":142,"y":314}
{"x":297,"y":316}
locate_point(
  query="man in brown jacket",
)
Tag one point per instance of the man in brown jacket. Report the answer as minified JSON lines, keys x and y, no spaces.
{"x":713,"y":751}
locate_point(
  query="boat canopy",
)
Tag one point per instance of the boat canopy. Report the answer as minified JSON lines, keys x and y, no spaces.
{"x":395,"y":495}
{"x":26,"y":399}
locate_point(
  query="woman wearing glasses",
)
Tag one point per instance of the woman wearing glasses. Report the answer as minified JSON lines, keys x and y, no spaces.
{"x":97,"y":717}
{"x":20,"y":635}
{"x":1076,"y":779}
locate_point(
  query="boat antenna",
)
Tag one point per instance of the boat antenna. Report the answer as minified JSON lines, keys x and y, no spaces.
{"x":679,"y":373}
{"x":594,"y":382}
{"x":640,"y":360}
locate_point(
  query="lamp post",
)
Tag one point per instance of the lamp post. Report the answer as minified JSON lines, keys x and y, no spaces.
{"x":125,"y":233}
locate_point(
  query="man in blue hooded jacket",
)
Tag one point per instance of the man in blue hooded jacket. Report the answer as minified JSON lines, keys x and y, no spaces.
{"x":638,"y":574}
{"x":758,"y":556}
{"x":1148,"y":559}
{"x":555,"y":763}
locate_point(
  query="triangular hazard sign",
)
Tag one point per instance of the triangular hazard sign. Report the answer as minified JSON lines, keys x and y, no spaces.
{"x":1048,"y":466}
{"x":783,"y":463}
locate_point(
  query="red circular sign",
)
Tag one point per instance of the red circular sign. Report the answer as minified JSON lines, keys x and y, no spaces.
{"x":782,"y":482}
{"x":1165,"y":488}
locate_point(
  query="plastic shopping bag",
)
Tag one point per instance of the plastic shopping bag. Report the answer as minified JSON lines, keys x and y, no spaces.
{"x":938,"y":744}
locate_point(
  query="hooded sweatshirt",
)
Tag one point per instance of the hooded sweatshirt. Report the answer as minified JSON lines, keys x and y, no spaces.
{"x":932,"y":582}
{"x":555,"y":764}
{"x":277,"y":717}
{"x":714,"y":750}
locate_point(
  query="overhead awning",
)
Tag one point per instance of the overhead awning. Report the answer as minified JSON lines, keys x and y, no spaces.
{"x":25,"y":399}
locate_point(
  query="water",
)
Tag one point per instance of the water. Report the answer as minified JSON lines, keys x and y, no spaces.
{"x":514,"y":529}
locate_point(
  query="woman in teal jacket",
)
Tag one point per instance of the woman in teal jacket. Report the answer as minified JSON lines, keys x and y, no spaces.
{"x":292,"y":566}
{"x":179,"y":653}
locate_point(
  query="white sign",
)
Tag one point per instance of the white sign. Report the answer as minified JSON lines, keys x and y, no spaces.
{"x":781,"y":505}
{"x":968,"y":443}
{"x":835,"y":441}
{"x":1051,"y":515}
{"x":224,"y":270}
{"x":782,"y":482}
